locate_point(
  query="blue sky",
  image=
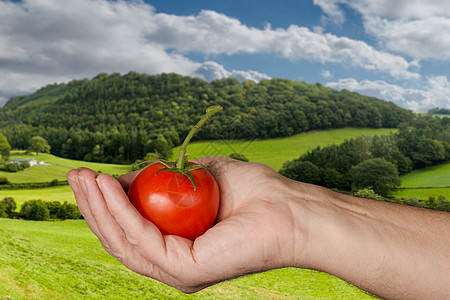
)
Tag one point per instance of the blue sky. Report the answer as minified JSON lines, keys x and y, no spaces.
{"x":394,"y":50}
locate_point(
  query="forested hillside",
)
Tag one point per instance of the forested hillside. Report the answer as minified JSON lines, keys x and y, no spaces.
{"x":375,"y":161}
{"x":115,"y":118}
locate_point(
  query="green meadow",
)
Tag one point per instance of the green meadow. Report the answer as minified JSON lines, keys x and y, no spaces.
{"x":424,"y":183}
{"x":57,"y":169}
{"x":64,"y":260}
{"x":436,"y":176}
{"x":59,"y":193}
{"x":422,"y":193}
{"x":274,"y":152}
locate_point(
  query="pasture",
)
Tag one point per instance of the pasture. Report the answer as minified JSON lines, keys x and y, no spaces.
{"x":275,"y":152}
{"x":59,"y":193}
{"x":57,"y":169}
{"x":64,"y":260}
{"x":424,"y":183}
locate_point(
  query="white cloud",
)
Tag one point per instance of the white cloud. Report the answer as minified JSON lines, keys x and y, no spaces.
{"x":417,"y":28}
{"x":212,"y":33}
{"x":436,"y":92}
{"x":332,"y":10}
{"x":49,"y":41}
{"x":210,"y":71}
{"x":326,"y":74}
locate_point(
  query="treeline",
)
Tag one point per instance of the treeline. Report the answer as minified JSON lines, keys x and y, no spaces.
{"x":375,"y":162}
{"x":38,"y":210}
{"x":119,"y":119}
{"x":439,"y":111}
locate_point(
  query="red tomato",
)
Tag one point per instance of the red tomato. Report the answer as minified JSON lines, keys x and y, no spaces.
{"x":169,"y":200}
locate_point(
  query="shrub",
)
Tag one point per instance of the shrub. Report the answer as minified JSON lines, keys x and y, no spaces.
{"x":443,"y":204}
{"x":69,"y":211}
{"x":10,"y":205}
{"x":45,"y":210}
{"x":35,"y":210}
{"x":54,"y":209}
{"x":2,"y":211}
{"x":3,"y":180}
{"x":413,"y":201}
{"x":13,"y":167}
{"x":368,"y":193}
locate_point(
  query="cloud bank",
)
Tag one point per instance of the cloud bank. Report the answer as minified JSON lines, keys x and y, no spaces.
{"x":419,"y":29}
{"x":43,"y":42}
{"x":435,"y":94}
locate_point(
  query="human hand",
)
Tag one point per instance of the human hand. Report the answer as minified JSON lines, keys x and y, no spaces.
{"x":254,"y":231}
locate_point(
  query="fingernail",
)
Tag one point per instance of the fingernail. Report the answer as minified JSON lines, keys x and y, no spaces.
{"x":82,"y":184}
{"x":73,"y":183}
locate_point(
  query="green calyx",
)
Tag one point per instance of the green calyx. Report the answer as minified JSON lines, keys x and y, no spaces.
{"x":181,"y":165}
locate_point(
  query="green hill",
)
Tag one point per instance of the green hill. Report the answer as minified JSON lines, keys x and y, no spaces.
{"x":113,"y":118}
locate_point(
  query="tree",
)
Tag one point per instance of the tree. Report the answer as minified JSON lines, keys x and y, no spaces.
{"x":304,"y":171}
{"x":331,"y":178}
{"x":10,"y":205}
{"x":161,"y":147}
{"x":39,"y":145}
{"x":429,"y":151}
{"x":376,"y":174}
{"x":5,"y":147}
{"x":35,"y":210}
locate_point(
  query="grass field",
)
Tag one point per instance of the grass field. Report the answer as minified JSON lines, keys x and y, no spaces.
{"x":422,"y":193}
{"x":64,"y":260}
{"x":425,"y":183}
{"x":436,"y":176}
{"x":58,"y":168}
{"x":274,"y":152}
{"x":59,"y":193}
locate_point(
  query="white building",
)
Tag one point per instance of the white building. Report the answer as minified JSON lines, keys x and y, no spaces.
{"x":31,"y":161}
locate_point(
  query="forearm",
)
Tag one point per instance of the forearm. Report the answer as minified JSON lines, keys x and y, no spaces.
{"x":391,"y":250}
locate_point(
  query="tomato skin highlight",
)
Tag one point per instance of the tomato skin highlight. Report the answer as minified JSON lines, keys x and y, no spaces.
{"x":169,"y":200}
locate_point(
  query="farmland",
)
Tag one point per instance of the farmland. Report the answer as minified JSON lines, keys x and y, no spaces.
{"x":273,"y":152}
{"x":424,"y":183}
{"x":64,"y":260}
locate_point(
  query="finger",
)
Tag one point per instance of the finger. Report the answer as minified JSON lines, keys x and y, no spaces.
{"x":139,"y":232}
{"x":111,"y":235}
{"x":81,"y":200}
{"x":126,"y":180}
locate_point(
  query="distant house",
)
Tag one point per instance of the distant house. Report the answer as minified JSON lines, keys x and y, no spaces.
{"x":31,"y":161}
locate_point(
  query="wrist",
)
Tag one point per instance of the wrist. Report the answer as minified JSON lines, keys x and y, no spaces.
{"x":378,"y":246}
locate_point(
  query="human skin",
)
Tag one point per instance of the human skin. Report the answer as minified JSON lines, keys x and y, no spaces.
{"x":267,"y":221}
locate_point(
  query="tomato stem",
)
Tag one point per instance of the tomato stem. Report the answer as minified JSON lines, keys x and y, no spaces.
{"x":181,"y":161}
